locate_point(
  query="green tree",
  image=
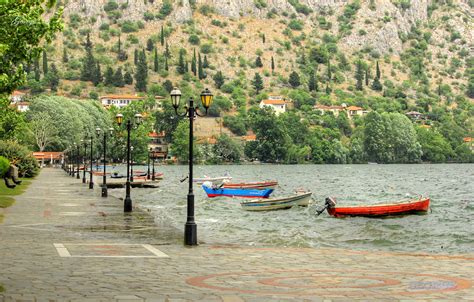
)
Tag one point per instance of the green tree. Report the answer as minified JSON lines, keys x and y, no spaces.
{"x":23,"y":26}
{"x":162,"y":37}
{"x":376,"y":85}
{"x":109,"y":76}
{"x":435,"y":147}
{"x":359,"y":75}
{"x":205,"y":63}
{"x":65,"y":55}
{"x":149,"y":45}
{"x":218,"y":79}
{"x":43,"y":130}
{"x":312,"y":82}
{"x":37,"y":69}
{"x":193,"y":63}
{"x":181,"y":64}
{"x":257,"y":83}
{"x":258,"y":62}
{"x":156,"y":63}
{"x":294,"y":79}
{"x":118,"y":80}
{"x":127,"y":78}
{"x":97,"y":76}
{"x":141,"y":74}
{"x":273,"y":65}
{"x":135,"y":57}
{"x":227,"y":149}
{"x":53,"y":78}
{"x":45,"y":63}
{"x":180,"y":142}
{"x":88,"y":64}
{"x":121,"y":54}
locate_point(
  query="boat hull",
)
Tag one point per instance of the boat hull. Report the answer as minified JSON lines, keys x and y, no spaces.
{"x":251,"y":185}
{"x":213,"y":180}
{"x":400,"y":208}
{"x":301,"y":199}
{"x":244,"y":193}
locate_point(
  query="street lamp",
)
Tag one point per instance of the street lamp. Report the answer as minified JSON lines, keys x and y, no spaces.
{"x":127,"y":202}
{"x":131,"y":163}
{"x":190,"y":228}
{"x":84,"y":161}
{"x":91,"y":181}
{"x":104,"y":181}
{"x":153,"y":169}
{"x":148,"y":166}
{"x":77,"y":161}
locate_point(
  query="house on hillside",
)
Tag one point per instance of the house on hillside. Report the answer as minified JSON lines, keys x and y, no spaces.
{"x":325,"y":109}
{"x":157,"y":145}
{"x":355,"y":111}
{"x":17,"y":96}
{"x":22,"y":106}
{"x":414,"y":115}
{"x":122,"y":100}
{"x":276,"y":102}
{"x":469,"y":141}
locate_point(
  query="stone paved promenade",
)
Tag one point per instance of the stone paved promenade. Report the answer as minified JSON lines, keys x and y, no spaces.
{"x":63,"y":242}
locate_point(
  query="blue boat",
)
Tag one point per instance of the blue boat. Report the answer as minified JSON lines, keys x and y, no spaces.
{"x":246,"y":193}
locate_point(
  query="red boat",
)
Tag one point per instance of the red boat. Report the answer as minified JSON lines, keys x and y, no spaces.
{"x":251,"y":185}
{"x":395,"y":208}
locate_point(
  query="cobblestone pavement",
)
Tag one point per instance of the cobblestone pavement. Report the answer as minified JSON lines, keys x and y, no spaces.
{"x":63,"y":242}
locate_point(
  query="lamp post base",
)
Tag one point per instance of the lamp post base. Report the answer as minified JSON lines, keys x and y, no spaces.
{"x":83,"y":180}
{"x":104,"y":191}
{"x":190,"y":233}
{"x":91,"y":185}
{"x":78,"y":177}
{"x":127,"y":204}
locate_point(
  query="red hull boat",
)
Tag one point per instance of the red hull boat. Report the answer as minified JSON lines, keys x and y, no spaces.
{"x":395,"y":208}
{"x":251,"y":185}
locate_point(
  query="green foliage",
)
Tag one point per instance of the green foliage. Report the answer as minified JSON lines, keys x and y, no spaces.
{"x":110,"y":6}
{"x":260,"y":3}
{"x":294,"y":79}
{"x":165,"y":9}
{"x":206,"y":10}
{"x":236,"y":124}
{"x":295,"y":24}
{"x":435,"y":147}
{"x":227,"y":150}
{"x":4,"y":166}
{"x":22,"y":28}
{"x":219,"y":104}
{"x":257,"y":83}
{"x":300,"y":8}
{"x":141,"y":74}
{"x":20,"y":156}
{"x":129,"y":26}
{"x":194,"y":39}
{"x":218,"y":79}
{"x":345,"y":20}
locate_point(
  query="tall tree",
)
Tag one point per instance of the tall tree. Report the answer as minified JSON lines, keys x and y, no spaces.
{"x":162,"y":37}
{"x":23,"y":25}
{"x":294,"y":79}
{"x":141,"y":73}
{"x":273,"y":64}
{"x":181,"y":64}
{"x":88,"y":64}
{"x":109,"y":76}
{"x":257,"y":83}
{"x":37,"y":69}
{"x":263,"y":38}
{"x":258,"y":62}
{"x":121,"y":54}
{"x":149,"y":45}
{"x":218,"y":79}
{"x":205,"y":63}
{"x":167,"y":50}
{"x":118,"y":78}
{"x":367,"y":77}
{"x":127,"y":78}
{"x":312,"y":83}
{"x":193,"y":63}
{"x":376,"y":85}
{"x":135,"y":57}
{"x":97,"y":79}
{"x":329,"y":70}
{"x":45,"y":63}
{"x":43,"y":130}
{"x":53,"y":78}
{"x":166,"y":63}
{"x":156,"y":62}
{"x":200,"y":69}
{"x":359,"y":75}
{"x":65,"y":55}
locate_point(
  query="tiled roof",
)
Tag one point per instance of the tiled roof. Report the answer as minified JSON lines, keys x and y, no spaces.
{"x":274,"y":102}
{"x":249,"y":138}
{"x":467,"y":139}
{"x":156,"y":134}
{"x":123,"y":96}
{"x":19,"y":93}
{"x":324,"y":107}
{"x":353,"y":108}
{"x":47,"y":155}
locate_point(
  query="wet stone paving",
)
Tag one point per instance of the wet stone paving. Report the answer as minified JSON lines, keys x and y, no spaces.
{"x":61,"y":241}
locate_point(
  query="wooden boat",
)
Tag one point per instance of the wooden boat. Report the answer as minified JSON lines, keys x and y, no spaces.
{"x":251,"y":185}
{"x":299,"y":199}
{"x":214,"y":180}
{"x":214,"y":191}
{"x":376,"y":210}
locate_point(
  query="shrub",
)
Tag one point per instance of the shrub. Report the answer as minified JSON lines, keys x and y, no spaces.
{"x":129,"y":26}
{"x":206,"y":48}
{"x":110,"y":6}
{"x":20,"y":156}
{"x":4,"y":165}
{"x":194,"y":39}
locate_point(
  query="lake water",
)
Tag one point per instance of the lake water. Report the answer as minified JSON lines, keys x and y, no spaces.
{"x":448,"y":228}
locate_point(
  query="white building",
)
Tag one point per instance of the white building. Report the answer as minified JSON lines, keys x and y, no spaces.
{"x":119,"y":100}
{"x":276,"y":102}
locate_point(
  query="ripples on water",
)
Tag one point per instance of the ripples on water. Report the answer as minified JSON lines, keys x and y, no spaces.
{"x":447,"y":229}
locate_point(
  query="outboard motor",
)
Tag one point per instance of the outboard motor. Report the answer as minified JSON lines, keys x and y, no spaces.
{"x":330,"y":202}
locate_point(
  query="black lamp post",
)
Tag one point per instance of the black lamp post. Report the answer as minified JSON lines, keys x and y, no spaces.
{"x":148,"y":164}
{"x":68,"y":162}
{"x":104,"y":178}
{"x":153,"y":160}
{"x":190,"y":228}
{"x":91,"y":181}
{"x":84,"y":161}
{"x":77,"y":160}
{"x":127,"y":202}
{"x":131,"y":163}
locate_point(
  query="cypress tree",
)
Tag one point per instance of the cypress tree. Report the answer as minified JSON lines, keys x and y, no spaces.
{"x":37,"y":69}
{"x":97,"y":75}
{"x":205,"y":63}
{"x":303,"y":57}
{"x":127,"y":78}
{"x":263,"y":38}
{"x":193,"y":63}
{"x":156,"y":63}
{"x":328,"y":89}
{"x":200,"y":70}
{"x":181,"y":64}
{"x":186,"y":66}
{"x":53,"y":78}
{"x":121,"y":55}
{"x":167,"y":51}
{"x":65,"y":56}
{"x":359,"y":76}
{"x":273,"y":65}
{"x":294,"y":79}
{"x":141,"y":73}
{"x":312,"y":85}
{"x":258,"y":62}
{"x":329,"y":70}
{"x":118,"y":78}
{"x":166,"y":63}
{"x":45,"y":63}
{"x":149,"y":45}
{"x":376,"y":85}
{"x":109,"y":76}
{"x":162,"y":37}
{"x":88,"y":64}
{"x":257,"y":83}
{"x":135,"y":57}
{"x":377,"y":70}
{"x":218,"y":79}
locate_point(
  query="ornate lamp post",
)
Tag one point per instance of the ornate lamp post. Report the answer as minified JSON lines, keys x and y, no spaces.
{"x":91,"y":181}
{"x":127,"y":202}
{"x":190,"y":228}
{"x":131,"y":163}
{"x":104,"y":178}
{"x":77,"y":161}
{"x":148,"y":165}
{"x":153,"y":169}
